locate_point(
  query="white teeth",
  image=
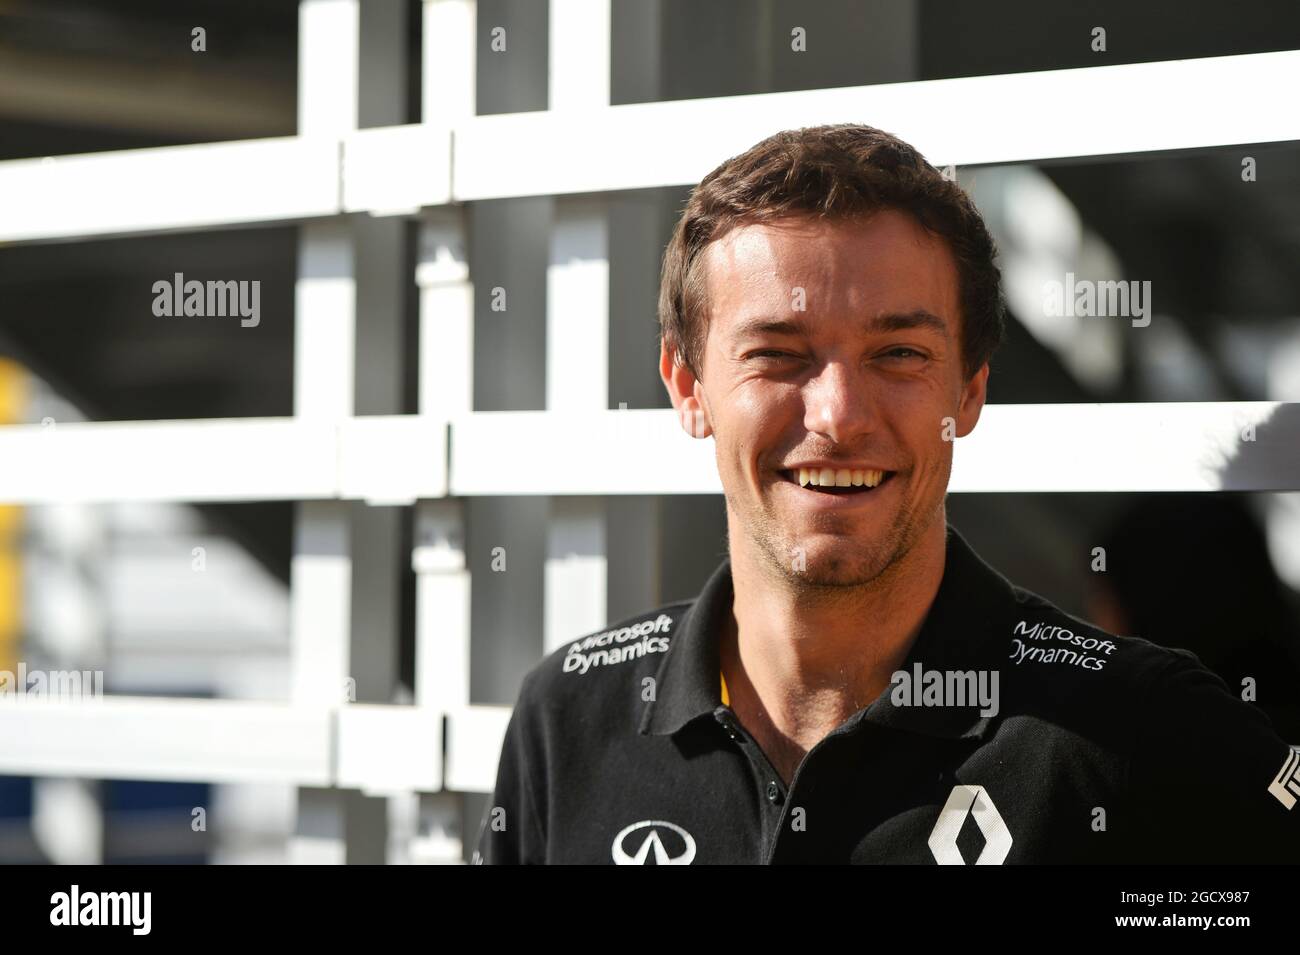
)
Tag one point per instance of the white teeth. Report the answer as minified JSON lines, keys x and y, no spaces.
{"x":842,"y":477}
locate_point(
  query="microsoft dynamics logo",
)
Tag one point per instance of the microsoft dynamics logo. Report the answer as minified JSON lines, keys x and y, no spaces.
{"x":969,"y":801}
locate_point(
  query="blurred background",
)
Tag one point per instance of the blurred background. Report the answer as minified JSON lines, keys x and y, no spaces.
{"x":192,"y":599}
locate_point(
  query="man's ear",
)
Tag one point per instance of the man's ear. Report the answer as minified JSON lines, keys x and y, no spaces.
{"x":973,"y":394}
{"x":684,"y":390}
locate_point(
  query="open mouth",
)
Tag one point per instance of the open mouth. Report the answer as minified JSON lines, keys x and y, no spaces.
{"x":842,"y":481}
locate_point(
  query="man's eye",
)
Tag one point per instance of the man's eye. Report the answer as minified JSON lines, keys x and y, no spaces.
{"x":770,"y":353}
{"x":903,"y":352}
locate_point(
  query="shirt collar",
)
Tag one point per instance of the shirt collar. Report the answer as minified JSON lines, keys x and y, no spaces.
{"x":958,"y":633}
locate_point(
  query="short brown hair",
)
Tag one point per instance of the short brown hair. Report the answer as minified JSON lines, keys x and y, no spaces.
{"x":836,"y":173}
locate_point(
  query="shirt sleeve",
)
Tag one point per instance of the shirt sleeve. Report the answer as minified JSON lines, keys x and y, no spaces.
{"x":511,"y":831}
{"x":1212,"y":780}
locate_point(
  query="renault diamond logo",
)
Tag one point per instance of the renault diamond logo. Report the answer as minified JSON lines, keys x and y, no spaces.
{"x":1286,"y":784}
{"x":962,"y":801}
{"x":672,"y":845}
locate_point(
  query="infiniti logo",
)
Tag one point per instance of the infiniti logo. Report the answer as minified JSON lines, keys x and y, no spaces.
{"x":652,"y":839}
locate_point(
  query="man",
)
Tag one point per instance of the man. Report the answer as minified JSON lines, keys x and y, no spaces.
{"x":854,"y":684}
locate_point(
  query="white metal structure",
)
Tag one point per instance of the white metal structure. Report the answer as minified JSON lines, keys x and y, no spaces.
{"x":341,"y":460}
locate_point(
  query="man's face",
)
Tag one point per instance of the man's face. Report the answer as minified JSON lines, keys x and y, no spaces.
{"x":833,"y":346}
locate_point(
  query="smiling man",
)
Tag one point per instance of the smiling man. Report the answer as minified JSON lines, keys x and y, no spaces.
{"x":829,"y":380}
{"x":853,"y":683}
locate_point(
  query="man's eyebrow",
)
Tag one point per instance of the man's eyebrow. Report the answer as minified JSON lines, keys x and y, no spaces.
{"x":884,"y":322}
{"x":901,"y":321}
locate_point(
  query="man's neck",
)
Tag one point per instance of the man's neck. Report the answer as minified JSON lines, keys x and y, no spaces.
{"x":798,"y":661}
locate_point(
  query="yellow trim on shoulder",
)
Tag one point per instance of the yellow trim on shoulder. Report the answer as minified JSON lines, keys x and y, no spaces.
{"x":726,"y":701}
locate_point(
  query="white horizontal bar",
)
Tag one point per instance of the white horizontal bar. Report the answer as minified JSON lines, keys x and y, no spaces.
{"x":385,"y":749}
{"x":1152,"y":446}
{"x":172,"y":187}
{"x":398,"y":459}
{"x":382,"y":459}
{"x":121,"y":737}
{"x":1015,"y":117}
{"x":379,"y":748}
{"x":396,"y":169}
{"x":474,"y":738}
{"x":598,"y":452}
{"x":392,"y":459}
{"x":203,"y":460}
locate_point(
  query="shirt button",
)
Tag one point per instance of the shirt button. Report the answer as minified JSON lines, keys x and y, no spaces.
{"x":730,"y":727}
{"x":773,"y":792}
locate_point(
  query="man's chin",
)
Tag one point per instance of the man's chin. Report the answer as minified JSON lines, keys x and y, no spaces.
{"x":835,"y":565}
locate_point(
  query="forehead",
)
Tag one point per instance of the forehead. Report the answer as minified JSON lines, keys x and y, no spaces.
{"x":887,"y":261}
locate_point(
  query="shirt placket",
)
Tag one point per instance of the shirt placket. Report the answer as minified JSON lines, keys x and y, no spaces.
{"x":772,"y":791}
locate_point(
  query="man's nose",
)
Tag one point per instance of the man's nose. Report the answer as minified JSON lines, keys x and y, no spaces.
{"x":839,"y":404}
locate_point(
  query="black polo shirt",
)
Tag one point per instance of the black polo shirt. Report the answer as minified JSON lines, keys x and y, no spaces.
{"x":1100,"y":749}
